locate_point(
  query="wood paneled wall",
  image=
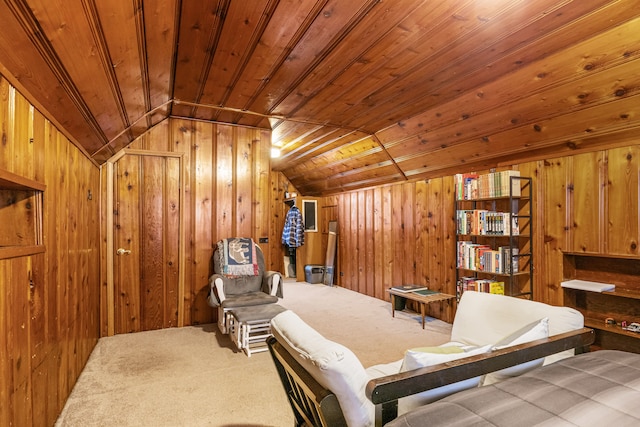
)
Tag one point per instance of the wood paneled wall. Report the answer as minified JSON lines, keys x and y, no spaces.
{"x":395,"y":234}
{"x":585,"y":203}
{"x":590,"y":206}
{"x":228,"y":193}
{"x":48,"y":301}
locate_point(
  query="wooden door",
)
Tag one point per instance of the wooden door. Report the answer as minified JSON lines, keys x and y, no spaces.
{"x":146,"y":242}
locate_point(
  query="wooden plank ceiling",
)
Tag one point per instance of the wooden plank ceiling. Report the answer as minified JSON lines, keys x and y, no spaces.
{"x":357,"y":92}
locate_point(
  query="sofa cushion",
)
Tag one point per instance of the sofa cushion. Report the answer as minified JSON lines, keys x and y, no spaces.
{"x":534,"y":331}
{"x":483,"y":318}
{"x":249,"y":299}
{"x":421,"y":357}
{"x":384,"y":369}
{"x":443,"y":349}
{"x":424,"y":357}
{"x":333,"y":365}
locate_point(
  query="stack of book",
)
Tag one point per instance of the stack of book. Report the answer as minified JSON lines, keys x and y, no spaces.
{"x":408,"y":288}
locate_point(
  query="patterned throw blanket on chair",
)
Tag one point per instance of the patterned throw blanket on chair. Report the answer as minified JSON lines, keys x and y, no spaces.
{"x":238,"y":257}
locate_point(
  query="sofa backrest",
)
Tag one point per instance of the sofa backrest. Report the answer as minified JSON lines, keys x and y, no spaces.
{"x":483,"y":318}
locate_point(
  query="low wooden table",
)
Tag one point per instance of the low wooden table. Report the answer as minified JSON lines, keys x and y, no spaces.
{"x":423,"y":300}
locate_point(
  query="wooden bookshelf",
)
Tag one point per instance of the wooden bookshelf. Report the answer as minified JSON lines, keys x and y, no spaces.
{"x":620,"y":305}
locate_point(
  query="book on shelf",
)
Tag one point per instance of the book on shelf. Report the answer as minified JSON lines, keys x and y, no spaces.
{"x":486,"y":223}
{"x":470,"y":186}
{"x":515,"y":228}
{"x":496,"y":258}
{"x":470,"y":255}
{"x":505,"y":180}
{"x":510,"y":260}
{"x":496,"y":288}
{"x":479,"y":285}
{"x":466,"y":185}
{"x":480,"y":257}
{"x":409,"y":288}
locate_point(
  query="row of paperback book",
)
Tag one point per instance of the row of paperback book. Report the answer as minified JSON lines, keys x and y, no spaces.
{"x":470,"y":186}
{"x":485,"y":222}
{"x":479,"y":285}
{"x":479,"y":257}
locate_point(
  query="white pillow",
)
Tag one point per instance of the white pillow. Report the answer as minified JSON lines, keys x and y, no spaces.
{"x":531,"y":332}
{"x":423,"y":357}
{"x":333,"y":365}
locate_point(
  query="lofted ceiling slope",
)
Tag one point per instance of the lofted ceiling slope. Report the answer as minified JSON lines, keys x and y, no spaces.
{"x":357,"y":92}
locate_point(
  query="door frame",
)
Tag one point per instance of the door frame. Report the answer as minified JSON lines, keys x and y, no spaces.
{"x":110,"y":247}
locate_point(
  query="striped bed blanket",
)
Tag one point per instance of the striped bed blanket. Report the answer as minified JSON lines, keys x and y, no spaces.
{"x":238,"y":257}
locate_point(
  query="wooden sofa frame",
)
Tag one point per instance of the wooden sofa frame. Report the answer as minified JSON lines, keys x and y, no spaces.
{"x":316,"y":406}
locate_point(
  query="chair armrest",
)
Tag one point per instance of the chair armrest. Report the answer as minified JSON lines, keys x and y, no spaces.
{"x":216,"y":290}
{"x":385,"y":391}
{"x":272,"y":283}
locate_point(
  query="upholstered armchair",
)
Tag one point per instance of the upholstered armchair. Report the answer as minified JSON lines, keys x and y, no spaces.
{"x":232,"y":291}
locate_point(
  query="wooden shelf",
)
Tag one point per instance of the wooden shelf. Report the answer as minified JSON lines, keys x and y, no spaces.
{"x":620,"y":304}
{"x":21,"y":204}
{"x":11,"y":181}
{"x":525,"y":236}
{"x":600,"y":255}
{"x":491,"y":199}
{"x":624,"y":293}
{"x":614,"y":329}
{"x":622,"y":271}
{"x":19,"y":251}
{"x":519,"y":273}
{"x":612,"y":336}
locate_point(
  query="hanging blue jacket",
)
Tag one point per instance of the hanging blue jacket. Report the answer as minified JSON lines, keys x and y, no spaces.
{"x":293,"y":232}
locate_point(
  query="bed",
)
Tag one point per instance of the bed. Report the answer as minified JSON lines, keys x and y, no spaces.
{"x":591,"y":389}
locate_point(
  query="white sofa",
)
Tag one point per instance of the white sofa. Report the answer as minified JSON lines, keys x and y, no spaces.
{"x":482,"y":323}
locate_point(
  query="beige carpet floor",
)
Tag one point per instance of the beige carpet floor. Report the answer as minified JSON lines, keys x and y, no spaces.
{"x":194,"y":376}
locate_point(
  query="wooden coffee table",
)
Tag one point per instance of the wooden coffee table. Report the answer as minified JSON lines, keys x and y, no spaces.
{"x":422,"y":300}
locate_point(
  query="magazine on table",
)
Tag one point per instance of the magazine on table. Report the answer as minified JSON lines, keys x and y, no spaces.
{"x":409,"y":288}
